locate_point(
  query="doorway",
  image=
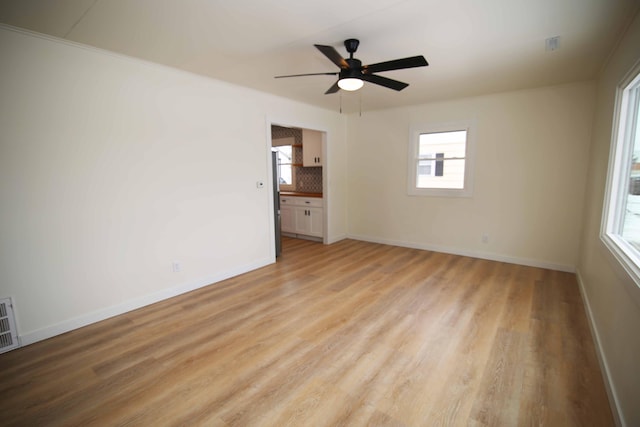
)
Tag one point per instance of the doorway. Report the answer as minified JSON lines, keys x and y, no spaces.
{"x":299,"y":182}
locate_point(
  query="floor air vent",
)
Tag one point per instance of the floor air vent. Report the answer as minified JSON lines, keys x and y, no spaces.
{"x":8,"y":332}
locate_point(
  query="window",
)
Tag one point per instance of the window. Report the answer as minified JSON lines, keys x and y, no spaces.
{"x":440,"y":160}
{"x":621,"y":216}
{"x":284,"y":147}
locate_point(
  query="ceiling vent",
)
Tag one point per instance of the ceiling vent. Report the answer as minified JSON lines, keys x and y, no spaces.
{"x":552,"y":43}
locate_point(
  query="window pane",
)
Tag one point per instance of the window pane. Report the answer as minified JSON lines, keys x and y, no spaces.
{"x":285,"y":170}
{"x":452,"y":175}
{"x":451,"y":144}
{"x":447,"y":170}
{"x":631,"y":222}
{"x":285,"y":175}
{"x":285,"y":153}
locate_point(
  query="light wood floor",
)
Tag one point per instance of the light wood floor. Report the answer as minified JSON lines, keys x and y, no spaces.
{"x":355,"y":334}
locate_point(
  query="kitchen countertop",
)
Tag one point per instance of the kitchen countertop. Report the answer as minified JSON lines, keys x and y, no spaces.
{"x":299,"y":194}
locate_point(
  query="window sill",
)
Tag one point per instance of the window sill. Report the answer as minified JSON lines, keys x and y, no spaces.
{"x":625,"y":264}
{"x":440,"y":192}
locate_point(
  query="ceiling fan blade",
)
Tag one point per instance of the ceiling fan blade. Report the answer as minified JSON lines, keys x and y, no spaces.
{"x":309,"y":74}
{"x":396,"y":64}
{"x":383,"y":81}
{"x":333,"y":89}
{"x":331,"y":53}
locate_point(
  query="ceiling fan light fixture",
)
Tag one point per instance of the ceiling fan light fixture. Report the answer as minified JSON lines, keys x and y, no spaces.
{"x":350,"y":84}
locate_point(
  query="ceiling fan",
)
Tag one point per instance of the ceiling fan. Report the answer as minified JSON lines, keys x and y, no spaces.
{"x":353,"y":74}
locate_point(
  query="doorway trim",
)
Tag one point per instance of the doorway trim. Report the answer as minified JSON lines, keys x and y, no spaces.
{"x":270,"y":121}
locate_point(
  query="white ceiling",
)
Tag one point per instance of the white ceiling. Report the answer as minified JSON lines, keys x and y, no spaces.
{"x":473,"y":47}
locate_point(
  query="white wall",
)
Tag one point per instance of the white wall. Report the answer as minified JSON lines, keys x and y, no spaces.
{"x":612,"y":298}
{"x":112,"y":168}
{"x":529,"y":184}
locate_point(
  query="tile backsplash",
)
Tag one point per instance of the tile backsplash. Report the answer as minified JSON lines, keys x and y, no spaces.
{"x":308,"y":180}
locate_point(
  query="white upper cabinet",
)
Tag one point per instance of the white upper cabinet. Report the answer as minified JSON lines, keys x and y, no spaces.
{"x":311,"y":148}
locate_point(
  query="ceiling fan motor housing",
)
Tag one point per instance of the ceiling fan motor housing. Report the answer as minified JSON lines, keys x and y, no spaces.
{"x":354,"y":71}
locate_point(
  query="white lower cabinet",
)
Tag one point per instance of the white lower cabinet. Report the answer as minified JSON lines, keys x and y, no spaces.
{"x":287,"y":219}
{"x":308,"y":221}
{"x":302,"y":215}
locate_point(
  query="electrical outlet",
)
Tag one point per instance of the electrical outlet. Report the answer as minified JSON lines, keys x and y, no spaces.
{"x":485,"y":238}
{"x":176,"y":267}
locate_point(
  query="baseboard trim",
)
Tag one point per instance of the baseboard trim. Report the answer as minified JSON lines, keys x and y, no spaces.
{"x":618,"y":415}
{"x":134,"y":304}
{"x":302,"y":237}
{"x":333,"y":239}
{"x":462,"y":252}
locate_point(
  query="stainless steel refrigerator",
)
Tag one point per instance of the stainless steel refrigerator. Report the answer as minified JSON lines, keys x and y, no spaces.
{"x":276,"y":201}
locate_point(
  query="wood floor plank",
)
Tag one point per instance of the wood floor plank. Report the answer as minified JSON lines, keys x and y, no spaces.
{"x":503,"y":376}
{"x":349,"y":334}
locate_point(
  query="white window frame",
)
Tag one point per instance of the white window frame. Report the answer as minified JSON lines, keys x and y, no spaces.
{"x":414,"y":145}
{"x":619,"y":172}
{"x":282,"y":142}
